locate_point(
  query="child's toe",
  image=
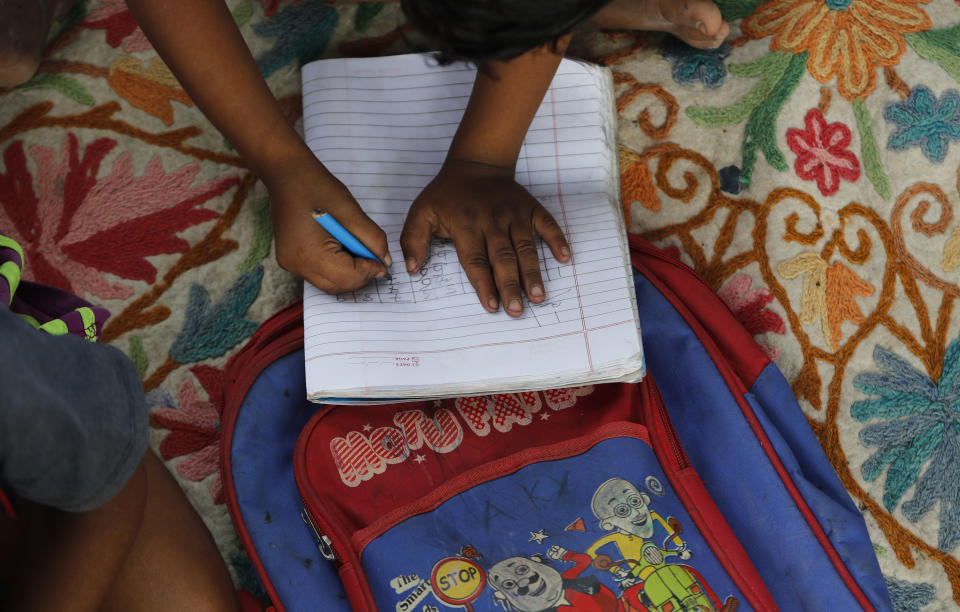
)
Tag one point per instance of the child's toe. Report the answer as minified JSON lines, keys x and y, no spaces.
{"x":701,"y":15}
{"x":701,"y":41}
{"x":16,"y":69}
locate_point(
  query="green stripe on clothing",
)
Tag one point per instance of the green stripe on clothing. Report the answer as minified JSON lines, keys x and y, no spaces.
{"x":89,"y":323}
{"x":11,"y":272}
{"x":56,"y":327}
{"x":10,"y":243}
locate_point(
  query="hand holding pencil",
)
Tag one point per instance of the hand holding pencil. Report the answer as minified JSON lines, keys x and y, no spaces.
{"x":345,"y":238}
{"x":307,"y":249}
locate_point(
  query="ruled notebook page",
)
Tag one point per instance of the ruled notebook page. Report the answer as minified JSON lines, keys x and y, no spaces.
{"x":383,"y":127}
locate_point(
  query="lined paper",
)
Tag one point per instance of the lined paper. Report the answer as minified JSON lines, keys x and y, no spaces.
{"x":383,"y":127}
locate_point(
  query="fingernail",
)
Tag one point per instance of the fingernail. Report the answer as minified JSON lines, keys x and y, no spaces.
{"x":380,"y":274}
{"x":387,"y":260}
{"x":702,"y":27}
{"x":515,"y":305}
{"x":492,"y":303}
{"x":411,"y":265}
{"x":565,"y":251}
{"x":536,"y":291}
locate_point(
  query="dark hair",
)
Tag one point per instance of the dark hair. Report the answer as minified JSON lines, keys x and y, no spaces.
{"x":485,"y":30}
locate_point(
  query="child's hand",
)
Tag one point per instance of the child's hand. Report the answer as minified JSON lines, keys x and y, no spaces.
{"x":306,"y":249}
{"x":494,"y":224}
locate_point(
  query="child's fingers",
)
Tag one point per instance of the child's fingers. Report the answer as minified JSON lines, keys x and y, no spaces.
{"x":547,"y":228}
{"x":504,"y":261}
{"x":528,"y":261}
{"x":333,"y":270}
{"x":418,"y":229}
{"x":472,"y":252}
{"x":355,"y":221}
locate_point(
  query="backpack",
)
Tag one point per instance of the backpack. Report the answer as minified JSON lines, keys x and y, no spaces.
{"x":700,"y":488}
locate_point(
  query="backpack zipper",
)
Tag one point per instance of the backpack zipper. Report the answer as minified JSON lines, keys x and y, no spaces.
{"x":673,"y":440}
{"x":324,"y":543}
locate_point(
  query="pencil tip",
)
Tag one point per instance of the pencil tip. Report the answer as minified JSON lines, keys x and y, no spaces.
{"x":318,"y":213}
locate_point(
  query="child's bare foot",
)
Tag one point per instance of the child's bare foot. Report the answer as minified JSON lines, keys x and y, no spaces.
{"x":24,"y":26}
{"x":696,"y":22}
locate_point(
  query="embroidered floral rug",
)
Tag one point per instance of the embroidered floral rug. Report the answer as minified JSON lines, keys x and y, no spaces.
{"x":809,"y":169}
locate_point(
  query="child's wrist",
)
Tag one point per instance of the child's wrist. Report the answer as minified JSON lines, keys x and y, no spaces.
{"x":281,"y":166}
{"x":479,"y":148}
{"x":484,"y":163}
{"x":277,"y":151}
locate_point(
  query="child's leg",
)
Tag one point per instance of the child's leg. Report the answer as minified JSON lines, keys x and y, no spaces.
{"x":696,"y":22}
{"x":174,"y":563}
{"x":59,"y":556}
{"x":145,"y":549}
{"x":24,"y":27}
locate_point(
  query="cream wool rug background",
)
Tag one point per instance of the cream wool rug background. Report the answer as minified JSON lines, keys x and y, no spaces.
{"x":808,"y":169}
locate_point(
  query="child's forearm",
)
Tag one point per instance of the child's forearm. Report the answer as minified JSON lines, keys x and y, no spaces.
{"x":203,"y":47}
{"x":200,"y":43}
{"x":504,"y":100}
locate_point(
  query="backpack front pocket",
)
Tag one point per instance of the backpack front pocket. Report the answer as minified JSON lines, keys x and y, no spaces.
{"x":596,"y":528}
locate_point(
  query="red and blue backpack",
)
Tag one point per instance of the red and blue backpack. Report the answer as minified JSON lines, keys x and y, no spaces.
{"x":700,"y":488}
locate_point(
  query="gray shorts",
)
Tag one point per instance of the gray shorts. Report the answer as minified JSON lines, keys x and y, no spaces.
{"x":73,"y":422}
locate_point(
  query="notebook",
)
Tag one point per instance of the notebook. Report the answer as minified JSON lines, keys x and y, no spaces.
{"x":383,"y":126}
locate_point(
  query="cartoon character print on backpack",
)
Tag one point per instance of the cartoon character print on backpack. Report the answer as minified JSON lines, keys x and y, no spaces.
{"x":648,"y":580}
{"x":631,"y":559}
{"x":642,"y":567}
{"x":529,"y":584}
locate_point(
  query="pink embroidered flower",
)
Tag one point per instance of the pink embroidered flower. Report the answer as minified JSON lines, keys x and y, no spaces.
{"x":821,"y":152}
{"x":113,"y":16}
{"x":80,"y":222}
{"x":195,"y":429}
{"x":749,"y":306}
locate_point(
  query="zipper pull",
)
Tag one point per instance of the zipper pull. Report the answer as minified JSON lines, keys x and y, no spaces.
{"x":323,"y":542}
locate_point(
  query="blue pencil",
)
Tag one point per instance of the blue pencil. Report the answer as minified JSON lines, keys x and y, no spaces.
{"x":344,"y":237}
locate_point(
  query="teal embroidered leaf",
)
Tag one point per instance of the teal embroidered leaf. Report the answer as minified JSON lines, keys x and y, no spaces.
{"x":890,"y":406}
{"x":869,"y":150}
{"x":770,"y":68}
{"x":940,"y":46}
{"x":212,"y":330}
{"x":940,"y":486}
{"x":908,"y":596}
{"x":949,"y":383}
{"x":65,"y":85}
{"x":760,"y":132}
{"x":262,"y":236}
{"x":365,"y":14}
{"x":737,"y":9}
{"x":139,"y":356}
{"x":905,"y":458}
{"x":242,"y":13}
{"x":301,"y":31}
{"x":917,"y":435}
